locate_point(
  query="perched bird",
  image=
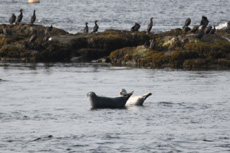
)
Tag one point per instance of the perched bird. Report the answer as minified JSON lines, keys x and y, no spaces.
{"x":200,"y":34}
{"x":20,"y":16}
{"x":153,"y":43}
{"x":33,"y":37}
{"x":195,"y":28}
{"x":213,"y":30}
{"x":48,"y":29}
{"x":187,"y":22}
{"x":204,"y":22}
{"x":209,"y":28}
{"x":136,"y":27}
{"x":33,"y":18}
{"x":12,"y":18}
{"x":86,"y":29}
{"x":6,"y":31}
{"x":149,"y":27}
{"x":186,"y":29}
{"x":95,"y":28}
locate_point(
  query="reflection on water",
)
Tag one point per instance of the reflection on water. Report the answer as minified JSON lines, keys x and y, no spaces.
{"x":44,"y":108}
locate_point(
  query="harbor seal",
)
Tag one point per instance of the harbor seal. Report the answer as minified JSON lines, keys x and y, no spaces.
{"x":107,"y":102}
{"x":136,"y":100}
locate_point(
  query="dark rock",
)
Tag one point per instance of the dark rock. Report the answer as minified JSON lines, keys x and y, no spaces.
{"x":175,"y":48}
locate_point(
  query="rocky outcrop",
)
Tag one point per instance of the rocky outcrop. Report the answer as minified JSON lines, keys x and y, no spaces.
{"x":175,"y":48}
{"x":62,"y":46}
{"x":178,"y":51}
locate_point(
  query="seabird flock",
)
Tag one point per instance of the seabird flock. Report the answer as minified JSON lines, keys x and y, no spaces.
{"x":33,"y":32}
{"x":205,"y":29}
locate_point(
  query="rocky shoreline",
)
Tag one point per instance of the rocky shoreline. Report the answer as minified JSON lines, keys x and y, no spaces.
{"x":175,"y":48}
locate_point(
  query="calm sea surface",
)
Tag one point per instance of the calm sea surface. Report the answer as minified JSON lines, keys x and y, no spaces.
{"x":44,"y":108}
{"x":71,"y":15}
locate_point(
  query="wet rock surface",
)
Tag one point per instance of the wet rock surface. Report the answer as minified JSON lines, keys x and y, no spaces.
{"x":175,"y":48}
{"x":179,"y":49}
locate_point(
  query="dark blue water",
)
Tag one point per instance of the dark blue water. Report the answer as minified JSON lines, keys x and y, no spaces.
{"x":71,"y":15}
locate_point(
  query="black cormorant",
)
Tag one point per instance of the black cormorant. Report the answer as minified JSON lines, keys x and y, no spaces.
{"x":20,"y":16}
{"x":12,"y":18}
{"x":48,"y":29}
{"x":33,"y":18}
{"x":209,"y":28}
{"x":213,"y":30}
{"x":187,"y":22}
{"x":95,"y":28}
{"x":149,"y":27}
{"x":204,"y":22}
{"x":200,"y":34}
{"x":186,"y":29}
{"x":195,"y":28}
{"x":86,"y":29}
{"x":136,"y":27}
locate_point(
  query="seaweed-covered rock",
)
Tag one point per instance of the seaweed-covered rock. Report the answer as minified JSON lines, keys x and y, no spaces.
{"x":63,"y":46}
{"x":179,"y":51}
{"x":176,"y":48}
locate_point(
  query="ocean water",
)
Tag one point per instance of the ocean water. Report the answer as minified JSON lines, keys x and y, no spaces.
{"x":44,"y":108}
{"x":71,"y":15}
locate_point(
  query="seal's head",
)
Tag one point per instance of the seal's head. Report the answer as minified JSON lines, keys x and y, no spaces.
{"x":123,"y":92}
{"x":91,"y":94}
